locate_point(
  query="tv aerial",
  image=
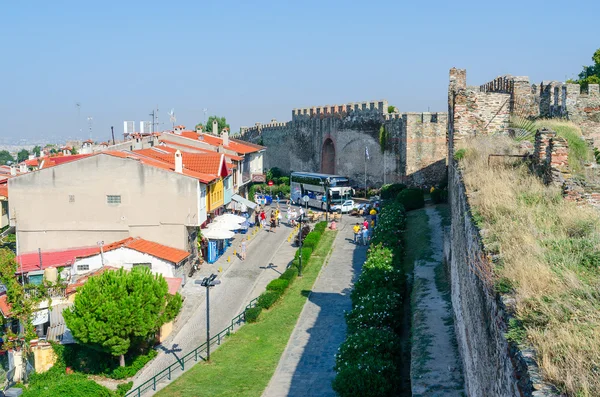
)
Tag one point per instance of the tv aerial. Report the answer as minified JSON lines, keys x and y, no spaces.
{"x":172,"y":117}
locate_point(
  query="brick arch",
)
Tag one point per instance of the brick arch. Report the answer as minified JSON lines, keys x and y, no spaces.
{"x":328,"y":157}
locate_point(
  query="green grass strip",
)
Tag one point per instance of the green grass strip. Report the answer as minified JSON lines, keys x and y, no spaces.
{"x":245,"y":363}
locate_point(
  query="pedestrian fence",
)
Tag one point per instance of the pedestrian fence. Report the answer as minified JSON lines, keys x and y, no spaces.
{"x":194,"y":355}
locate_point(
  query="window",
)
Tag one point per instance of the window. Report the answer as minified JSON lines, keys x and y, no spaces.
{"x":83,"y":268}
{"x":113,"y":199}
{"x":71,"y":198}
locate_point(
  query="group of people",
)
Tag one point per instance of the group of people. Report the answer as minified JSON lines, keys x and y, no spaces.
{"x":260,"y":218}
{"x":364,"y":231}
{"x":292,"y":216}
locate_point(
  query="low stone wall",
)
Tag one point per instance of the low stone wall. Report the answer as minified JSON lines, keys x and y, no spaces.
{"x":492,"y":366}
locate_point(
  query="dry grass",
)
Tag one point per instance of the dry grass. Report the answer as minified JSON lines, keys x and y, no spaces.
{"x":549,"y":260}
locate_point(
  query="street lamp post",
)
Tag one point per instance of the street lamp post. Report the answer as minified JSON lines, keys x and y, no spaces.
{"x":208,"y":282}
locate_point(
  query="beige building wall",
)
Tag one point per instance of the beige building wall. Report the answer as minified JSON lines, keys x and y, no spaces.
{"x":66,"y":206}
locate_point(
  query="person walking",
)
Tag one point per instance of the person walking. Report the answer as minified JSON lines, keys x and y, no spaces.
{"x":263,"y":218}
{"x":365,"y":235}
{"x":256,"y":219}
{"x":373,"y":214}
{"x":243,"y":249}
{"x":273,"y":222}
{"x":356,"y":229}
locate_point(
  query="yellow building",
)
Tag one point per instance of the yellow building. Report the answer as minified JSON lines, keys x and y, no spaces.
{"x":215,"y":195}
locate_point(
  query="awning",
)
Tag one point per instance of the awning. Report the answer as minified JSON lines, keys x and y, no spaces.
{"x":58,"y":331}
{"x":246,"y":202}
{"x":217,"y":234}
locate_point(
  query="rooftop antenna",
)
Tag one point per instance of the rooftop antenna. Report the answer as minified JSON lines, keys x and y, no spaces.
{"x":78,"y":105}
{"x":153,"y":115}
{"x":172,"y":117}
{"x":205,"y":111}
{"x":90,"y":119}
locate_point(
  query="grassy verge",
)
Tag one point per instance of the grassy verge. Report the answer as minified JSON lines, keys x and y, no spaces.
{"x":244,"y":365}
{"x":547,"y":256}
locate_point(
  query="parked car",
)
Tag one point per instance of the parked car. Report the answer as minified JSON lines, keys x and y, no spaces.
{"x":345,"y":207}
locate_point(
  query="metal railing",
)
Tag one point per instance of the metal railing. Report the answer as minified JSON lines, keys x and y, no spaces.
{"x":194,"y":355}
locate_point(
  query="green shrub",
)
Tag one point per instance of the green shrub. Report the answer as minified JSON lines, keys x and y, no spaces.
{"x":439,"y":196}
{"x":284,"y":180}
{"x":290,"y":274}
{"x":390,"y":191}
{"x":268,"y":299}
{"x":460,"y":154}
{"x":380,"y":308}
{"x":374,"y":279}
{"x":55,"y":382}
{"x":123,"y":388}
{"x":321,"y":226}
{"x":368,"y":364}
{"x":278,"y":285}
{"x":252,"y":314}
{"x":311,"y":240}
{"x":411,"y":199}
{"x":138,"y":363}
{"x":306,"y":253}
{"x":390,"y":227}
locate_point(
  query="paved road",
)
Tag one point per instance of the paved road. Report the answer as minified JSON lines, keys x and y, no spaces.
{"x":241,"y":281}
{"x":306,"y":366}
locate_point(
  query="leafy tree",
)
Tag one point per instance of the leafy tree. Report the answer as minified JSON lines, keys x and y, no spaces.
{"x":118,"y":309}
{"x":391,"y":109}
{"x":36,"y":150}
{"x":590,"y":74}
{"x":53,"y":151}
{"x":222,"y":123}
{"x":22,"y":155}
{"x":5,"y":157}
{"x":74,"y":151}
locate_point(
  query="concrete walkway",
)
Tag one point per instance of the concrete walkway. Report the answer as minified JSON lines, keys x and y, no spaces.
{"x":241,"y":281}
{"x":435,"y":367}
{"x":306,"y":366}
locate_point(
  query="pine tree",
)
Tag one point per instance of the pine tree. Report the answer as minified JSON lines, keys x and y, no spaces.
{"x":116,"y":309}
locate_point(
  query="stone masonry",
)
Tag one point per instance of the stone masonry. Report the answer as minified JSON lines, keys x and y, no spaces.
{"x":332,"y":139}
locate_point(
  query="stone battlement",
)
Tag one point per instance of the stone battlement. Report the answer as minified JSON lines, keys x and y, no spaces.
{"x":423,"y":117}
{"x":330,"y":110}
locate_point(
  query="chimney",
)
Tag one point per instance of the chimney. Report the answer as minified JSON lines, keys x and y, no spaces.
{"x":13,"y":170}
{"x":199,"y":129}
{"x":225,"y":136}
{"x":178,"y":162}
{"x":32,"y":156}
{"x":215,"y":129}
{"x":23,"y":168}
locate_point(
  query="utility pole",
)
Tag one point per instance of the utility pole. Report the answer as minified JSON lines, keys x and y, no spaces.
{"x":112,"y":131}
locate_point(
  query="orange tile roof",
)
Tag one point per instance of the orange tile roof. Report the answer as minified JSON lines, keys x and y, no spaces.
{"x":5,"y":306}
{"x":152,"y":162}
{"x":157,"y":250}
{"x":208,"y":163}
{"x":234,"y":145}
{"x":182,"y":145}
{"x":4,"y":190}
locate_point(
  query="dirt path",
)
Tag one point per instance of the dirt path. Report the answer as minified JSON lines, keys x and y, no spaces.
{"x":435,"y":364}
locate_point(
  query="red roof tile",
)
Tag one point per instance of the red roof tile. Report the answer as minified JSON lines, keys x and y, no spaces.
{"x":31,"y":261}
{"x":152,"y":162}
{"x":4,"y":190}
{"x":234,"y":144}
{"x":207,"y":163}
{"x":178,"y":145}
{"x":5,"y":306}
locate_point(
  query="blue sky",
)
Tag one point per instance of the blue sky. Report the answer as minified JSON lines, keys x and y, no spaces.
{"x":254,"y":61}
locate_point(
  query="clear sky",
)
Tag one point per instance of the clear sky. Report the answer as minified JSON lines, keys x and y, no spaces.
{"x":256,"y":60}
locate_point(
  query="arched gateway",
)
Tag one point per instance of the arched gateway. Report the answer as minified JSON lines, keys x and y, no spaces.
{"x":328,"y":157}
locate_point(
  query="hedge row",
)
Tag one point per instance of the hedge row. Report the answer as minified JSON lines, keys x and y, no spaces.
{"x":370,"y":359}
{"x":276,"y":288}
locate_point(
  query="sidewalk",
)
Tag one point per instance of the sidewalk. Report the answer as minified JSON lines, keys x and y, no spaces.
{"x":240,"y":282}
{"x":306,"y":366}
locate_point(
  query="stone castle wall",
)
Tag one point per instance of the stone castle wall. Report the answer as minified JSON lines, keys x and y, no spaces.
{"x":414,"y":151}
{"x":492,"y":366}
{"x":552,"y":99}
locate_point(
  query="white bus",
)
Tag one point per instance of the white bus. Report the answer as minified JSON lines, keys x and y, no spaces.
{"x":313,"y":185}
